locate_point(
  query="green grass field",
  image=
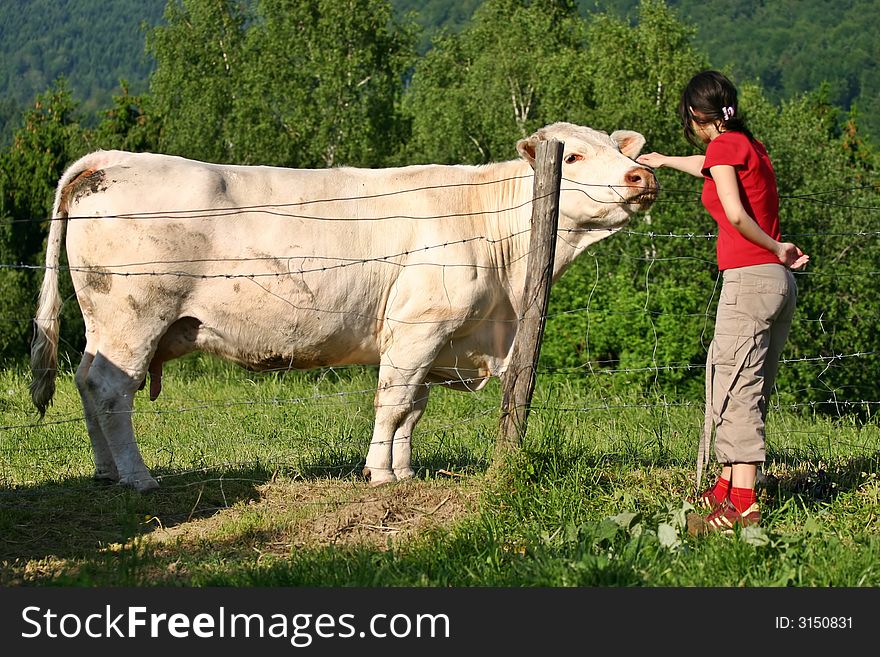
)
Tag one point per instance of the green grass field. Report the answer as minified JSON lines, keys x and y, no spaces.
{"x":261,"y":486}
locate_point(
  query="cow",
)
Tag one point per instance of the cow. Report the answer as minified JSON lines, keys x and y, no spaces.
{"x":417,"y":269}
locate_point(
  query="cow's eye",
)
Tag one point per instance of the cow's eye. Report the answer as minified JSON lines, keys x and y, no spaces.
{"x":571,"y":158}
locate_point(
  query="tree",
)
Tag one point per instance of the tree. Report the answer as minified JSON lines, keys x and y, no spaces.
{"x":639,"y":308}
{"x":194,"y":85}
{"x":436,"y":15}
{"x":828,"y":203}
{"x":128,"y":125}
{"x":320,"y":84}
{"x":48,"y":140}
{"x":309,"y":83}
{"x":518,"y":66}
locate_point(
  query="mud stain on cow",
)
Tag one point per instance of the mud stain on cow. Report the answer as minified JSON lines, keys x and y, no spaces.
{"x":161,"y":301}
{"x":301,"y":289}
{"x":272,"y":263}
{"x":177,"y":236}
{"x":98,"y":279}
{"x":288,"y":284}
{"x":268,"y":362}
{"x":87,"y":183}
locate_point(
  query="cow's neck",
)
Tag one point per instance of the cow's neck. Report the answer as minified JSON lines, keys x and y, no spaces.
{"x":505,"y":197}
{"x":509,"y":229}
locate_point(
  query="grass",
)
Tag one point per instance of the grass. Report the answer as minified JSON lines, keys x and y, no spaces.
{"x":261,"y":486}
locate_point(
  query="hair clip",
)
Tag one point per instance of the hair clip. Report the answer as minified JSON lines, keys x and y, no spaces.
{"x":728,"y":113}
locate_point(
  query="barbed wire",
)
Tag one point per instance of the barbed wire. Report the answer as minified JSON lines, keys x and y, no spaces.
{"x":275,"y":209}
{"x":363,"y":393}
{"x":606,"y":367}
{"x":118,"y":269}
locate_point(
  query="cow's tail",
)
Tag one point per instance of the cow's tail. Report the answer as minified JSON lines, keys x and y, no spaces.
{"x":44,"y":346}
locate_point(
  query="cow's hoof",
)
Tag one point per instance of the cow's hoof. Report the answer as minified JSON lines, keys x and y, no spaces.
{"x":404,"y":473}
{"x":141,"y":483}
{"x":378,"y":476}
{"x":105,"y":475}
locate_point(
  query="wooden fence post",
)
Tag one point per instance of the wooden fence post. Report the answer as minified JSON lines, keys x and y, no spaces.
{"x":518,"y":382}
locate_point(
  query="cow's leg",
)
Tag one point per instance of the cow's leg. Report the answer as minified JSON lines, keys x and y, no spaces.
{"x":401,"y":447}
{"x":111,"y":389}
{"x":401,"y":397}
{"x":105,"y":466}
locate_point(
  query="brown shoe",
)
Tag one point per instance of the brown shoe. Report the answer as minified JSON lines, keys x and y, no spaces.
{"x":724,"y":518}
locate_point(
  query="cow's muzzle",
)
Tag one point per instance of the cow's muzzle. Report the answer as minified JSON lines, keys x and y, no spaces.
{"x":642,"y":187}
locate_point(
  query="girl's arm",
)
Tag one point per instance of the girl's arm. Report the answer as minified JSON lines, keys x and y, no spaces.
{"x":692,"y":164}
{"x":727,"y":185}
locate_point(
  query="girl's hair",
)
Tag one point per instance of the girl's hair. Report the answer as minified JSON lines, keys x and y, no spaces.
{"x":707,"y":98}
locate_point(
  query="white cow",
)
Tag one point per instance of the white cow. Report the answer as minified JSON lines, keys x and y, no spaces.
{"x":418,"y":269}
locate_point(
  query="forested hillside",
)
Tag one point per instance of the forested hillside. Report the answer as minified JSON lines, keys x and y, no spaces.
{"x":92,"y":44}
{"x":790,"y":46}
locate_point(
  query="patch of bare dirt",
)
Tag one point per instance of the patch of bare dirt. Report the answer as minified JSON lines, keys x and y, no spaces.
{"x":395,"y":512}
{"x":319,"y":514}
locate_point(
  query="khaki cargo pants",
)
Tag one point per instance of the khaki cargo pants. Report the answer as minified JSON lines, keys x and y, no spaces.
{"x":754,"y":316}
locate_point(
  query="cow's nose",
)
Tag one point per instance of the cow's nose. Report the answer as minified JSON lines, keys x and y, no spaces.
{"x":641,"y":177}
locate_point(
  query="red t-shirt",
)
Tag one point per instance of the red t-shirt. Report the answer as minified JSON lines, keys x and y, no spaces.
{"x":757,"y":189}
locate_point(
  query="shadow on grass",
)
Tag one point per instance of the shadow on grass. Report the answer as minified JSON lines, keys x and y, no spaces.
{"x":79,"y":519}
{"x":346,"y":465}
{"x":816,"y":480}
{"x":77,"y":516}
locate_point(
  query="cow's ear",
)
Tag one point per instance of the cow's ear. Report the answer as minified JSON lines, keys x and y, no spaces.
{"x":527,"y":148}
{"x":630,"y":143}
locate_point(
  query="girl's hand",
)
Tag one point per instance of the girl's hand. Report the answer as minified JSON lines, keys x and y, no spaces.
{"x":791,"y":256}
{"x":653,"y":160}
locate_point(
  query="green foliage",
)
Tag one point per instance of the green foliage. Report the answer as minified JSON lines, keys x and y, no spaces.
{"x":435,"y":16}
{"x":92,"y":44}
{"x":639,"y":301}
{"x":10,"y":113}
{"x":305,"y":84}
{"x":198,"y":50}
{"x":49,"y":138}
{"x":638,"y":70}
{"x":128,"y":125}
{"x":829,"y":200}
{"x":320,"y":83}
{"x":475,"y":93}
{"x":789,"y":47}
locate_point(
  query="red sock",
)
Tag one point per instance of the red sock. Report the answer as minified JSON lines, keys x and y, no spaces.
{"x":719,"y":490}
{"x":742,"y":498}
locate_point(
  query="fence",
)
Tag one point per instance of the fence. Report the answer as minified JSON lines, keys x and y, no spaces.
{"x":516,"y":399}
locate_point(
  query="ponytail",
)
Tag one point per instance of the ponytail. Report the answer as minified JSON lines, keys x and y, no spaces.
{"x":710,"y":97}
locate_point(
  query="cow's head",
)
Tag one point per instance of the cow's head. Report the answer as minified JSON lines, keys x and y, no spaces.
{"x":602,"y":186}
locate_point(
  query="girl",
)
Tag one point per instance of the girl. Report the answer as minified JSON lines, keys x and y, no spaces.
{"x":758,"y":294}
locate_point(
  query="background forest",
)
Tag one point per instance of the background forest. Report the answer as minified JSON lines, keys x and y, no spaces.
{"x":788,"y":46}
{"x":317,"y":83}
